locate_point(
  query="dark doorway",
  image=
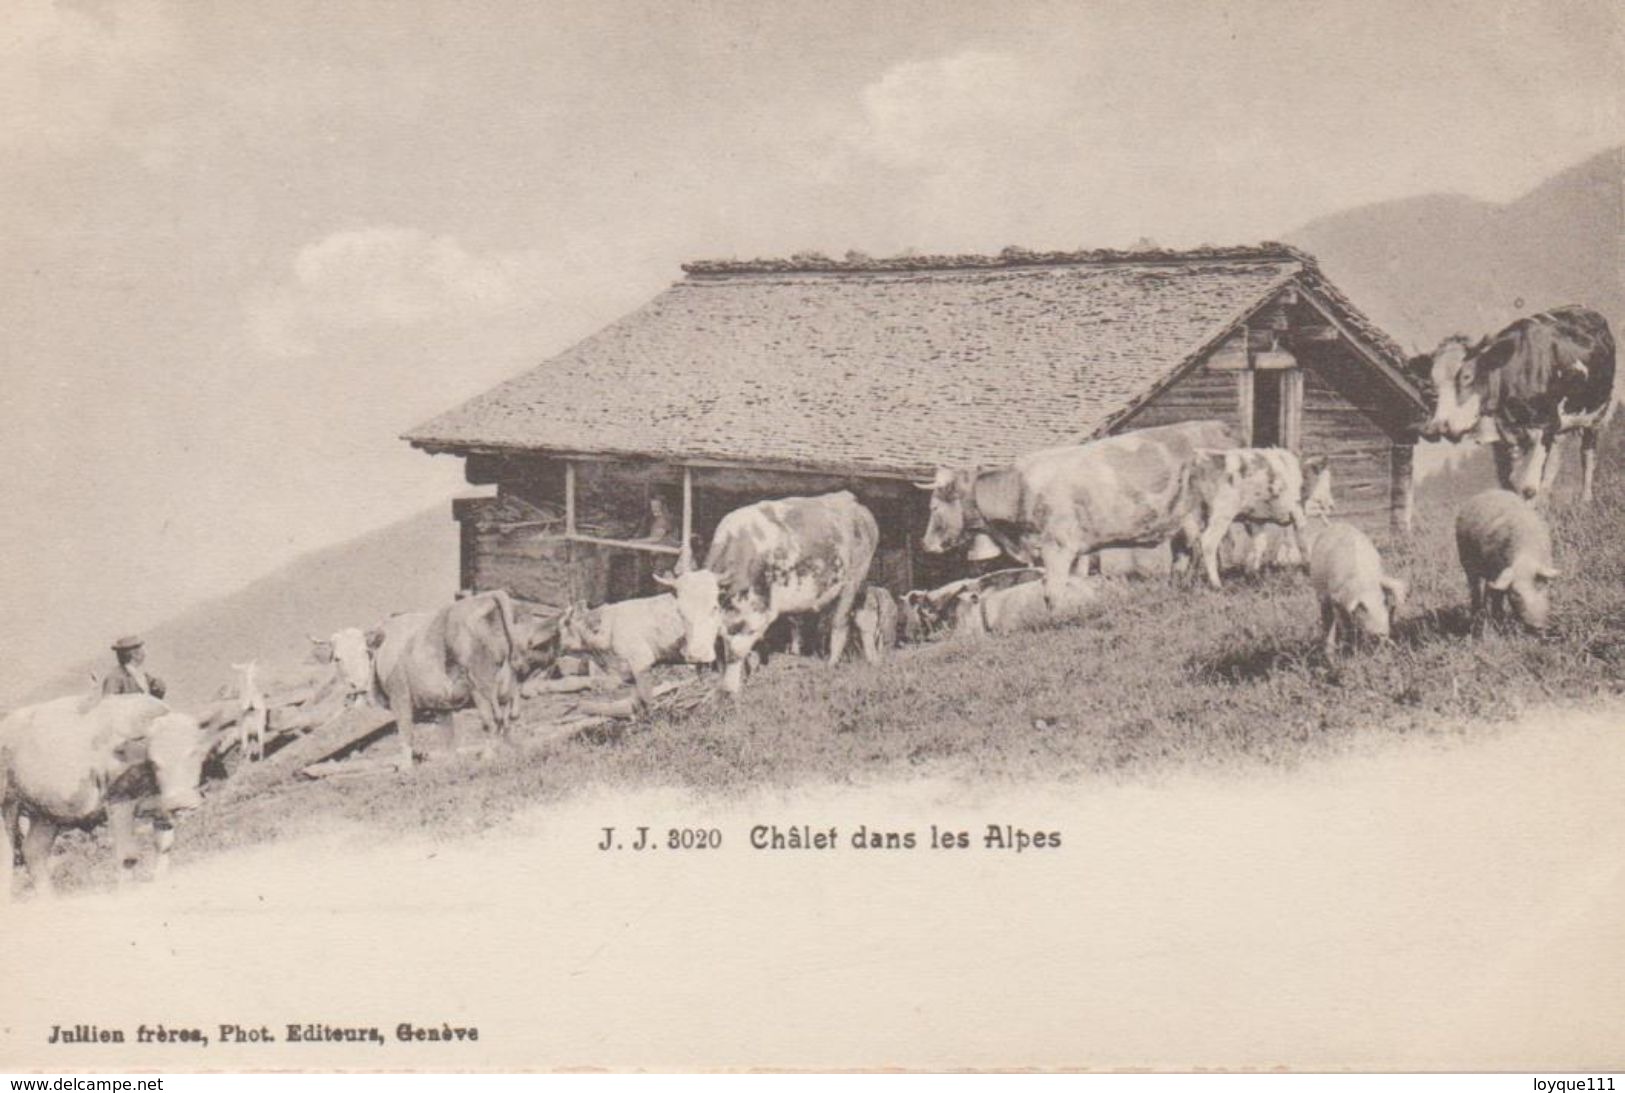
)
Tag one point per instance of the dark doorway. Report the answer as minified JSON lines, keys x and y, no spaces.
{"x":1268,"y":390}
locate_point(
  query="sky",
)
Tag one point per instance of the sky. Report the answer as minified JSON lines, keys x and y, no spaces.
{"x":248,"y":244}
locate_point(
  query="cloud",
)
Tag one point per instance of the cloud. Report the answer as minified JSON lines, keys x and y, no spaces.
{"x":65,"y":72}
{"x":927,"y":113}
{"x":389,"y":277}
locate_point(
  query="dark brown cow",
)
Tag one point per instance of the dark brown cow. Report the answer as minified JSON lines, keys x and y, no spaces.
{"x":1539,"y":378}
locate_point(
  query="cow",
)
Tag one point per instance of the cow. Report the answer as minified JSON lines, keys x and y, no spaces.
{"x":1019,"y":606}
{"x":798,"y":555}
{"x":1519,"y":391}
{"x":348,"y":649}
{"x":1050,"y":506}
{"x":69,"y":763}
{"x":628,"y":638}
{"x":1258,"y":486}
{"x":1506,"y":551}
{"x":875,"y":620}
{"x":1355,"y":596}
{"x":928,"y":613}
{"x":472,"y":652}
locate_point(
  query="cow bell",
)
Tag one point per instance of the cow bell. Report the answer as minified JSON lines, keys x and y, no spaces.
{"x":983,"y":548}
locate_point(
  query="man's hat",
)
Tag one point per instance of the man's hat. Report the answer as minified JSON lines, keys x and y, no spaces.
{"x":126,"y":643}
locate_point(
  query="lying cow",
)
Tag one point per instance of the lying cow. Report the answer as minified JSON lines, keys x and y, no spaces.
{"x":1052,"y":506}
{"x":1355,"y":597}
{"x":1257,"y":486}
{"x":1020,"y":607}
{"x":1506,"y":551}
{"x":628,"y":638}
{"x":799,"y":555}
{"x":1539,"y":378}
{"x":925,"y":614}
{"x":67,"y":763}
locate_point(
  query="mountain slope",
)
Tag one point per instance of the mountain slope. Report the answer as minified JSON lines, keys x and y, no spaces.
{"x":1428,"y":266}
{"x":405,"y":566}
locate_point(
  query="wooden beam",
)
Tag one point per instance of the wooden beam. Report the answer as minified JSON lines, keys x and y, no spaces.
{"x":1315,"y":332}
{"x":1402,"y":495}
{"x":1292,"y":411}
{"x":1244,"y":399}
{"x":569,"y":498}
{"x":624,"y":544}
{"x":688,"y":505}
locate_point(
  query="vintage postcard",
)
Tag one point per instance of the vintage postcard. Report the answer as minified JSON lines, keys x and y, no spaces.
{"x":808,"y":536}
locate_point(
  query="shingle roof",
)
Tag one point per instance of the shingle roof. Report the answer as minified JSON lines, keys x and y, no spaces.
{"x":890,"y":366}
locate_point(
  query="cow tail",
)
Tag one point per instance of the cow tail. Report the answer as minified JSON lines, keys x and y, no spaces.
{"x":505,"y":609}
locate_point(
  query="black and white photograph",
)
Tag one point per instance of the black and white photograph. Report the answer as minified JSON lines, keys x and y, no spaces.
{"x":727,"y":536}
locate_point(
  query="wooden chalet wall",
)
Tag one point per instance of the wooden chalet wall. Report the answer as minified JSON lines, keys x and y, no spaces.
{"x":1333,"y":402}
{"x":516,"y":539}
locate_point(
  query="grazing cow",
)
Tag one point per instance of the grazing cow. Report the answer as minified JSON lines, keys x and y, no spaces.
{"x":1051,"y":506}
{"x":1539,"y":378}
{"x":1020,"y":606}
{"x":628,"y":638}
{"x":1257,"y":486}
{"x":253,"y":713}
{"x":1506,"y":552}
{"x":876,"y":622}
{"x":795,"y":556}
{"x":66,"y":763}
{"x":1355,"y":597}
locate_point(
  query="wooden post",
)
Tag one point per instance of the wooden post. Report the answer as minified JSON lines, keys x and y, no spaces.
{"x":688,"y":505}
{"x":569,"y":497}
{"x":1292,"y":411}
{"x":1244,"y":398}
{"x":1402,"y":498}
{"x":570,"y":530}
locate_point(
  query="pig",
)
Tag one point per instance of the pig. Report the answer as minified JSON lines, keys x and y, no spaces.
{"x":1355,"y":597}
{"x":876,"y":622}
{"x":1506,"y":551}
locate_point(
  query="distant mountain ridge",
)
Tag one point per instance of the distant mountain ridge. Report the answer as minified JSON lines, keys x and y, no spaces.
{"x":1425,"y":267}
{"x":408,"y":565}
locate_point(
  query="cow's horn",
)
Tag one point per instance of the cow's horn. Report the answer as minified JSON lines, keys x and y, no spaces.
{"x":1546,"y":572}
{"x":925,"y":485}
{"x":318,"y":641}
{"x":685,"y":561}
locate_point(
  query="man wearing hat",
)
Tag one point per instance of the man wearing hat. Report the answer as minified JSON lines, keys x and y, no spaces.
{"x":128,"y":677}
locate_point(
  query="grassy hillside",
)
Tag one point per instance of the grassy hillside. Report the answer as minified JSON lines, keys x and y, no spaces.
{"x":1161,"y":679}
{"x":1429,"y":266}
{"x":408,"y":565}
